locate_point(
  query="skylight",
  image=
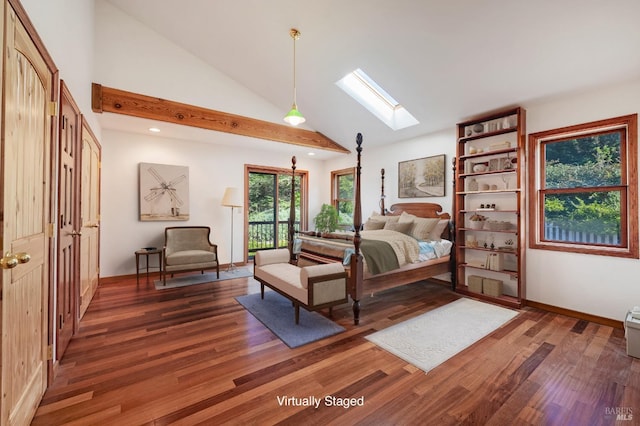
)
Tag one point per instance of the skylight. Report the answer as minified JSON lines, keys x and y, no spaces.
{"x":370,"y":95}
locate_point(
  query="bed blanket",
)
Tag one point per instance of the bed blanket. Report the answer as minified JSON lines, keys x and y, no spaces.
{"x":383,"y":250}
{"x":379,"y":256}
{"x":405,"y":247}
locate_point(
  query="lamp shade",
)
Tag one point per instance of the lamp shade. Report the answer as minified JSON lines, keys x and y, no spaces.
{"x":294,"y":117}
{"x":232,"y":197}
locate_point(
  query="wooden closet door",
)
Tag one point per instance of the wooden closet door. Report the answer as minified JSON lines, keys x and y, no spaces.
{"x":90,"y":206}
{"x":68,"y":273}
{"x":25,"y":187}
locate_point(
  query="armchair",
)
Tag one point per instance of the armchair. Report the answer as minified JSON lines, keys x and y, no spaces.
{"x":187,"y":248}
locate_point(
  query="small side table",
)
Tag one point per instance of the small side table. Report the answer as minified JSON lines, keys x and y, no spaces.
{"x":146,"y":253}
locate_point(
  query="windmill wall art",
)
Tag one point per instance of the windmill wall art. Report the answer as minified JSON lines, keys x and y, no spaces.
{"x":164,"y":192}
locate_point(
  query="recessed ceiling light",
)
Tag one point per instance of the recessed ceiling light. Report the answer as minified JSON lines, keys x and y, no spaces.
{"x":370,"y":95}
{"x":311,"y":153}
{"x":154,"y":129}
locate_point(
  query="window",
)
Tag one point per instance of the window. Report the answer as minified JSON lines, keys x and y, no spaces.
{"x":269,"y":196}
{"x":376,"y":100}
{"x":584,"y":188}
{"x":342,"y":194}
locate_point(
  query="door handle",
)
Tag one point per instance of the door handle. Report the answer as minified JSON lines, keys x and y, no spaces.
{"x":75,"y":233}
{"x":95,"y":225}
{"x":10,"y":261}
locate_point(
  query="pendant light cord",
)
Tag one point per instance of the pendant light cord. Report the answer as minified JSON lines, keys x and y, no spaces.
{"x":294,"y":34}
{"x":294,"y":117}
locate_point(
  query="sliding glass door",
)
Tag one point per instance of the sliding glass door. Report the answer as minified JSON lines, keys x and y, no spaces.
{"x":269,"y":205}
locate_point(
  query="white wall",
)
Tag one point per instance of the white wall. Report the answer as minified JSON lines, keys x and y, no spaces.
{"x":600,"y":285}
{"x":67,"y":30}
{"x":212,"y":168}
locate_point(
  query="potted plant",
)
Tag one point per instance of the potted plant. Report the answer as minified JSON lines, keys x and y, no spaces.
{"x":327,"y":219}
{"x":477,"y":221}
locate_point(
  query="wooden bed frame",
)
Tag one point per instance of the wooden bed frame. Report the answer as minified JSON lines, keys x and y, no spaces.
{"x":358,"y":284}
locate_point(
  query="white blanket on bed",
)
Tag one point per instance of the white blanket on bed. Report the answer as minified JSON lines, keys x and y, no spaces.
{"x":405,"y":247}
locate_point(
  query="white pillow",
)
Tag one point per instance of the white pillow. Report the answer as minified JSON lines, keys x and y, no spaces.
{"x":405,"y":227}
{"x":406,"y":217}
{"x":372,"y":225}
{"x":381,"y":218}
{"x":436,"y":232}
{"x":422,"y":228}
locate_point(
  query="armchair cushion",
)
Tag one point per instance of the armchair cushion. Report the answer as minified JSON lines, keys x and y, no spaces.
{"x":187,"y":257}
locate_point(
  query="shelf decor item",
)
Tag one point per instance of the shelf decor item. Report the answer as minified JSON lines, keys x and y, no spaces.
{"x":500,"y":145}
{"x":477,"y":221}
{"x":475,"y":283}
{"x":479,"y":168}
{"x":494,"y":261}
{"x":497,"y":225}
{"x":494,"y":164}
{"x":492,"y":287}
{"x":491,"y":159}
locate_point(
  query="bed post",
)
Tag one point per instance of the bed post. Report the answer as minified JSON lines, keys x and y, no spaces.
{"x":357,"y":269}
{"x":382,"y":196}
{"x":452,"y":231}
{"x":292,"y":212}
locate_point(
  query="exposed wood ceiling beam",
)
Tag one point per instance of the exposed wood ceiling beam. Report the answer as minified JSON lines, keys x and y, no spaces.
{"x":106,"y":99}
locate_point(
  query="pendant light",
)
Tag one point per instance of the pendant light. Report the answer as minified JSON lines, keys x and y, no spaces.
{"x":294,"y":117}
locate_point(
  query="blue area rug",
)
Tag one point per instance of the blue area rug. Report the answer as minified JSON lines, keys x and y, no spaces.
{"x":278,"y":315}
{"x":198,"y":278}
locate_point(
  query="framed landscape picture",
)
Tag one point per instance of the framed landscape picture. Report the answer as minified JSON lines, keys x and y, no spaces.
{"x":423,"y":177}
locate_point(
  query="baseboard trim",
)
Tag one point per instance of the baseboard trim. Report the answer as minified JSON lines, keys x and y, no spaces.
{"x":576,"y":314}
{"x":117,"y":278}
{"x":154,"y":274}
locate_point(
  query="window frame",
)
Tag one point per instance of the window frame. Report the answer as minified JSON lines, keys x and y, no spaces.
{"x":628,"y":187}
{"x":335,"y":192}
{"x":278,"y":172}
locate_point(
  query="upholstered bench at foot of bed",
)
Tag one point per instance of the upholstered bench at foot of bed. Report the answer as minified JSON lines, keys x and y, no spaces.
{"x":313,"y":287}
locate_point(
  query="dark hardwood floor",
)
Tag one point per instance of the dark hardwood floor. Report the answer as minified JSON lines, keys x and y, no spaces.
{"x":194,"y":356}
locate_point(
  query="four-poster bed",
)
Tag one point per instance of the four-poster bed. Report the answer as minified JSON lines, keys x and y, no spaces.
{"x":310,"y":248}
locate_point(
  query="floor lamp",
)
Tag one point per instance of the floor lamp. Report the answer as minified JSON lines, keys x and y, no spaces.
{"x":232,"y":198}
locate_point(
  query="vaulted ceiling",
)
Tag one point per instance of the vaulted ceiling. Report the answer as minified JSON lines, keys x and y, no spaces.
{"x":443,"y":60}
